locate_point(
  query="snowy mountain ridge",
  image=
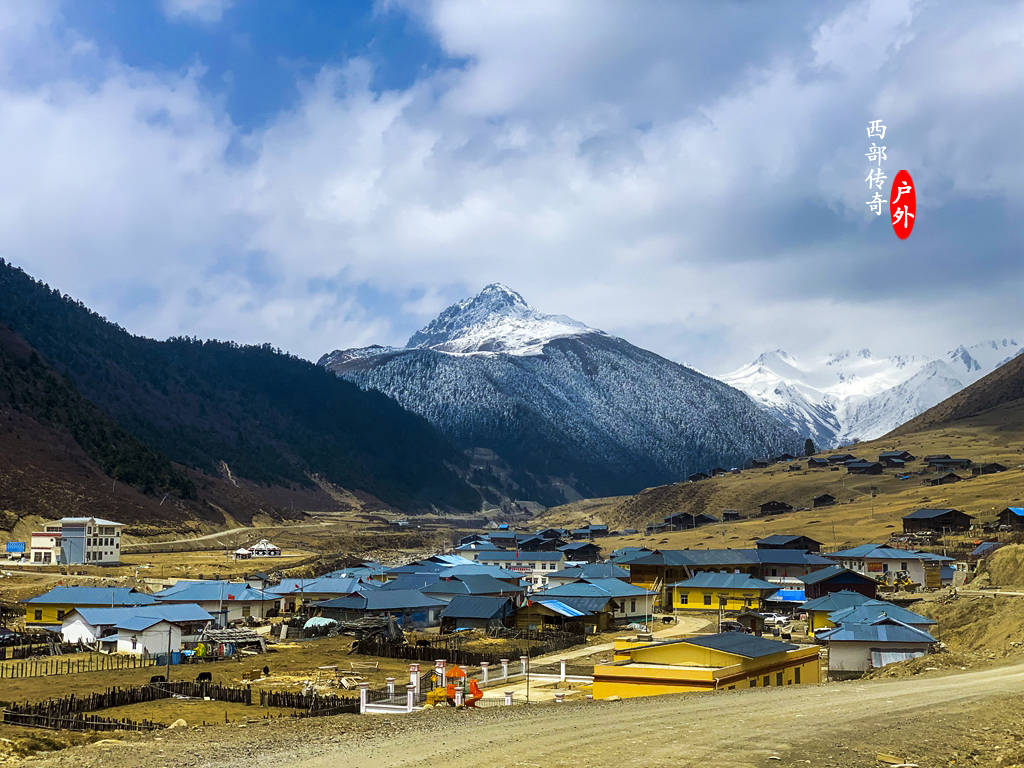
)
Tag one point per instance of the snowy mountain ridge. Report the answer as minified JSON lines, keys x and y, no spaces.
{"x":849,"y":396}
{"x":552,"y":410}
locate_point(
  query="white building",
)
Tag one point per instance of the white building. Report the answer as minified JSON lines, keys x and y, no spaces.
{"x":535,"y":567}
{"x":855,"y":648}
{"x":264,"y":548}
{"x":134,"y":629}
{"x":78,"y":541}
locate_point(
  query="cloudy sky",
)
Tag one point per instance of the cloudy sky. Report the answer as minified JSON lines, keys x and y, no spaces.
{"x":688,"y":175}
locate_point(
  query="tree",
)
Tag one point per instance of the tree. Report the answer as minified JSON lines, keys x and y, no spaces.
{"x":809,"y":449}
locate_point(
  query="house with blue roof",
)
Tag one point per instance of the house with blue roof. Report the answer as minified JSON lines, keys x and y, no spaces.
{"x":227,"y":601}
{"x":715,"y":591}
{"x":858,"y":647}
{"x":626,"y":602}
{"x":477,"y":584}
{"x":836,"y":578}
{"x":409,"y":607}
{"x":871,"y":610}
{"x":47,"y":611}
{"x":1012,"y":518}
{"x":819,"y":609}
{"x":588,"y":571}
{"x":882,"y":562}
{"x":294,"y":593}
{"x":134,"y":629}
{"x":584,"y":615}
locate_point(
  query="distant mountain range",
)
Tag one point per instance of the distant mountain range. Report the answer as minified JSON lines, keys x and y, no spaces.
{"x":552,"y":410}
{"x":855,"y":396}
{"x":172,"y":419}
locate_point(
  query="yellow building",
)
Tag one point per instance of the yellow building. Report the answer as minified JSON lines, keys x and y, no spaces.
{"x":818,"y":609}
{"x":726,"y":661}
{"x":721,"y":591}
{"x":48,"y":610}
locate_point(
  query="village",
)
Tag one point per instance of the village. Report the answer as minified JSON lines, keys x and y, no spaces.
{"x":506,"y":615}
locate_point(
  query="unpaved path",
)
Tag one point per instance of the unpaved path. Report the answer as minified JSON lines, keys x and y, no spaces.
{"x":928,"y":720}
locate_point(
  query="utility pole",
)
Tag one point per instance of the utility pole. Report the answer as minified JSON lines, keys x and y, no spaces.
{"x":167,"y":673}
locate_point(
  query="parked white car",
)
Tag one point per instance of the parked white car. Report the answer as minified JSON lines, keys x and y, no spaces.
{"x":775,"y":619}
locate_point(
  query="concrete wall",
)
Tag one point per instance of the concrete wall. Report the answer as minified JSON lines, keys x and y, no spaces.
{"x":851,"y":656}
{"x":153,"y":640}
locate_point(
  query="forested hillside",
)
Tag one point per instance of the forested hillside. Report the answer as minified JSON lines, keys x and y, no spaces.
{"x":272,"y":417}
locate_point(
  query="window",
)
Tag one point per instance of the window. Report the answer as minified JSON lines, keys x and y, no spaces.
{"x":767,"y":681}
{"x":732,"y":687}
{"x":682,"y":598}
{"x":903,"y":566}
{"x":707,"y":599}
{"x":38,"y":614}
{"x":778,"y":678}
{"x":723,"y":600}
{"x":632,"y":606}
{"x":753,"y":682}
{"x":60,"y":614}
{"x":796,"y":675}
{"x":246,"y":611}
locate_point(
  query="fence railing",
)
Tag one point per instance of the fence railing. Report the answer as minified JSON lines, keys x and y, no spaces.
{"x":79,"y":722}
{"x":373,"y":647}
{"x":68,"y":665}
{"x":309,"y":704}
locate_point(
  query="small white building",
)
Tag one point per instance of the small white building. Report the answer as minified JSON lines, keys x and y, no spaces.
{"x":264,"y":548}
{"x":241,"y":554}
{"x":534,"y":567}
{"x":854,"y":649}
{"x":134,"y":629}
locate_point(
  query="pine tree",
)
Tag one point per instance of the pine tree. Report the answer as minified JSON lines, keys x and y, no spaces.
{"x":809,"y":449}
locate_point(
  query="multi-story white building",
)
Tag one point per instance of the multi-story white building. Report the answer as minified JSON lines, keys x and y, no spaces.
{"x":78,"y":541}
{"x":535,"y":567}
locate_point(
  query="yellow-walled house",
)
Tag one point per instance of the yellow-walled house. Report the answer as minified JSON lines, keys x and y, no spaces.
{"x":47,"y":611}
{"x":726,"y":661}
{"x":721,"y":591}
{"x":818,"y":609}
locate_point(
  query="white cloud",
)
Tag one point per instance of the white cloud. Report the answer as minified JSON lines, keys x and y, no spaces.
{"x":203,"y":11}
{"x":586,"y":156}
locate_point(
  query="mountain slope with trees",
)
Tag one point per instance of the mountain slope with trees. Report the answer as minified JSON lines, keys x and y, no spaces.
{"x":273,"y":418}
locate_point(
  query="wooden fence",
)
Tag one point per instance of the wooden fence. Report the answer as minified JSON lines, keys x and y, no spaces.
{"x":68,"y":665}
{"x":372,"y":647}
{"x":80,"y":722}
{"x":309,"y":704}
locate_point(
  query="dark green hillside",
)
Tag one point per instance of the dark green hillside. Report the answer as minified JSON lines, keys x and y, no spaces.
{"x":272,"y":417}
{"x":29,"y":386}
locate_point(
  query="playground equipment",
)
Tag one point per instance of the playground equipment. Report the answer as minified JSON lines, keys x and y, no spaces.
{"x":456,"y":683}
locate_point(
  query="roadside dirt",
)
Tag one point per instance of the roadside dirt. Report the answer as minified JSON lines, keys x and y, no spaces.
{"x":970,"y":718}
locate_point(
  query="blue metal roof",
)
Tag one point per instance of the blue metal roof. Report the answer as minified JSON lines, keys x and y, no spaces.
{"x":779,"y":539}
{"x":835,"y":601}
{"x":476,"y":607}
{"x":742,"y":644}
{"x":877,"y":552}
{"x":561,"y":608}
{"x":830,"y":573}
{"x":882,"y":630}
{"x":513,"y":556}
{"x":175,"y":613}
{"x":207,"y":591}
{"x":788,"y":596}
{"x":716,"y":580}
{"x":986,"y":548}
{"x":324,"y":585}
{"x":470,"y":584}
{"x":871,"y":610}
{"x":412,"y":581}
{"x":1018,"y":511}
{"x":697,"y":558}
{"x":92,"y":596}
{"x":597,"y":588}
{"x":384,"y":600}
{"x":591,"y":571}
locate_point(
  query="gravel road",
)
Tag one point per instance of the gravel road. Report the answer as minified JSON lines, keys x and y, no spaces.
{"x":925,"y":719}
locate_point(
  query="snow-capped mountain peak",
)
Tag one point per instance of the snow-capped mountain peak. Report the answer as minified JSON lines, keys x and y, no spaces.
{"x":854,"y":395}
{"x":497,"y":319}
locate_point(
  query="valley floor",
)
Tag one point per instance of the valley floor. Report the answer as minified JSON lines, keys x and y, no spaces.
{"x":971,"y":718}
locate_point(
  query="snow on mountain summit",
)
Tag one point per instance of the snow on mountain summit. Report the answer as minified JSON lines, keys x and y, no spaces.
{"x":854,"y":395}
{"x":497,"y":319}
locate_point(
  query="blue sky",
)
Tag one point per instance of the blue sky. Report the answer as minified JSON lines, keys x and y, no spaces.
{"x":687,"y":175}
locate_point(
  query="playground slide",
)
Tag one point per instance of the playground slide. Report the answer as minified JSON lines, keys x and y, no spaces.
{"x":475,"y":694}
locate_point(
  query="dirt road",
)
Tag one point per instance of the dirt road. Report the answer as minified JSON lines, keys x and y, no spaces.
{"x":965,"y":718}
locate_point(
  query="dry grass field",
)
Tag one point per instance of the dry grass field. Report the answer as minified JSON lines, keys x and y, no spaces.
{"x":869,"y":507}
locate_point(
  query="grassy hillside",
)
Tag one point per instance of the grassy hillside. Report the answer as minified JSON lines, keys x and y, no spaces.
{"x":274,"y":419}
{"x":869,"y":508}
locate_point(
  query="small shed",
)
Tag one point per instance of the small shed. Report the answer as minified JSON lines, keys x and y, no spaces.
{"x":752,"y":621}
{"x":824,"y":500}
{"x":815,"y":463}
{"x":864,"y":468}
{"x":696,"y":476}
{"x":988,"y":469}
